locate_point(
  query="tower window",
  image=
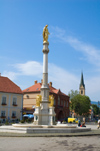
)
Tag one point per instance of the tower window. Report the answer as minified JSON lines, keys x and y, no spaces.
{"x":81,"y":91}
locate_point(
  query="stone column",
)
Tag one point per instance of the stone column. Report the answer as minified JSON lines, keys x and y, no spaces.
{"x":51,"y":116}
{"x":45,"y":87}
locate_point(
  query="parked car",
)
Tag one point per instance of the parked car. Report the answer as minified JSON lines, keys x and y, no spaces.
{"x":72,"y":120}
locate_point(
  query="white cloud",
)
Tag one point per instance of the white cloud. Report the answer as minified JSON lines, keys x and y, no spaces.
{"x":31,"y":68}
{"x":11,"y":75}
{"x":57,"y":32}
{"x":62,"y":78}
{"x":93,"y":88}
{"x":91,"y":53}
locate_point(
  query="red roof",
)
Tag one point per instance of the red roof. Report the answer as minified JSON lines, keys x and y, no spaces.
{"x":6,"y":85}
{"x":33,"y":88}
{"x":36,"y":88}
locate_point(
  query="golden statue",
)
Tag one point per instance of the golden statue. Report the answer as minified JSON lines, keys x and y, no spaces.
{"x":38,"y":100}
{"x":51,"y":100}
{"x":45,"y":34}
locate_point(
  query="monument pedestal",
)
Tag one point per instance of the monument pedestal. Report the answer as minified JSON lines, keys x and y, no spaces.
{"x":37,"y":117}
{"x":51,"y":116}
{"x":44,"y":116}
{"x":44,"y":113}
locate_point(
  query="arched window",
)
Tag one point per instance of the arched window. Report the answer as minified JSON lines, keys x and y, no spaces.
{"x":81,"y":91}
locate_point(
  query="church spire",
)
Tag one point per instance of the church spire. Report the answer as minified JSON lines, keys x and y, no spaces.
{"x":82,"y":81}
{"x":82,"y":85}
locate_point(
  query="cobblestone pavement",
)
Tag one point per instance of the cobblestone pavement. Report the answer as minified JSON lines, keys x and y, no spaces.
{"x":91,"y":143}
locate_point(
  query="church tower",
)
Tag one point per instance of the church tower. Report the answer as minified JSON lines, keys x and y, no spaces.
{"x":82,"y":86}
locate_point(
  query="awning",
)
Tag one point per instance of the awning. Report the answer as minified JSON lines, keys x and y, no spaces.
{"x":28,"y":115}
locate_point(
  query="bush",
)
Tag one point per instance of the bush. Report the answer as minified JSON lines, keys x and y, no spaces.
{"x":64,"y":122}
{"x":96,"y":121}
{"x":29,"y":120}
{"x":22,"y":121}
{"x":6,"y":123}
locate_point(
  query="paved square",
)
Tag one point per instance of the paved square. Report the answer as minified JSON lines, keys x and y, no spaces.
{"x":50,"y":143}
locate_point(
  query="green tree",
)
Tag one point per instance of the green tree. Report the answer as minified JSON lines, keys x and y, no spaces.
{"x":72,"y":93}
{"x":80,"y":104}
{"x":95,"y":109}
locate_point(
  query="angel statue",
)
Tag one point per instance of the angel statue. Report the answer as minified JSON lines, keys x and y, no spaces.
{"x":51,"y":100}
{"x":38,"y":100}
{"x":45,"y":34}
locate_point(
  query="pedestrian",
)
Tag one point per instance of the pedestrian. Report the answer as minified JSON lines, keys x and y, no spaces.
{"x":98,"y":123}
{"x":79,"y":123}
{"x":83,"y":125}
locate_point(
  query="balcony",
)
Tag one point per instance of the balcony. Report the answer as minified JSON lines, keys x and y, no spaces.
{"x":14,"y":104}
{"x":3,"y":116}
{"x":3,"y":103}
{"x":13,"y":116}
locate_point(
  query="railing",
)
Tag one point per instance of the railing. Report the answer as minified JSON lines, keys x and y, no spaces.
{"x":3,"y":104}
{"x":13,"y":116}
{"x":14,"y":104}
{"x":2,"y":116}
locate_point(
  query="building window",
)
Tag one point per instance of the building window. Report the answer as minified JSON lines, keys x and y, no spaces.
{"x":3,"y":114}
{"x":4,"y":100}
{"x":54,"y":102}
{"x":67,"y":103}
{"x":58,"y":100}
{"x":27,"y":96}
{"x":13,"y":114}
{"x":14,"y":101}
{"x":64,"y":103}
{"x":61,"y":102}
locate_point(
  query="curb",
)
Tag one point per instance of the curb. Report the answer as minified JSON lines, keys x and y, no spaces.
{"x":93,"y":133}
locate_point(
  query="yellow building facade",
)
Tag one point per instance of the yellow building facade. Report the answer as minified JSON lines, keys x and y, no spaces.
{"x":11,"y":101}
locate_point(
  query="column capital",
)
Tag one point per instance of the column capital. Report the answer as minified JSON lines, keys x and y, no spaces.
{"x":45,"y":47}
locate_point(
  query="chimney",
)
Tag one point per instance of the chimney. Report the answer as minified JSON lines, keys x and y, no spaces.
{"x":0,"y":74}
{"x":50,"y":84}
{"x":35,"y":82}
{"x":41,"y":81}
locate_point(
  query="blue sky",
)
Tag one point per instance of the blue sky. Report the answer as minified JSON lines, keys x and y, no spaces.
{"x":74,"y":43}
